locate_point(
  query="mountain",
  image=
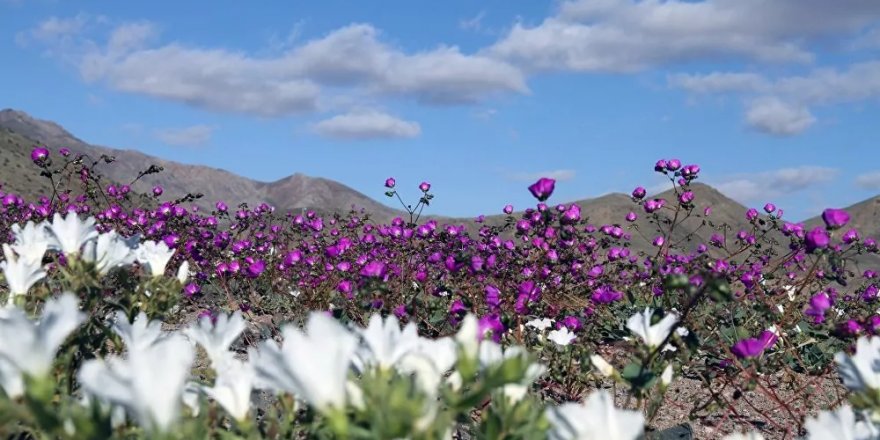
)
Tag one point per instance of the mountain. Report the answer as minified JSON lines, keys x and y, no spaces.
{"x":864,"y":217}
{"x":19,"y":132}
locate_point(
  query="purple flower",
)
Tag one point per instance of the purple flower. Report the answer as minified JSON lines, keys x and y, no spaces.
{"x":572,"y":214}
{"x":221,"y":206}
{"x":631,"y":217}
{"x":508,"y":209}
{"x":493,"y":296}
{"x":491,"y":323}
{"x":639,"y":193}
{"x":543,"y":188}
{"x":572,"y":322}
{"x":819,"y":303}
{"x":208,"y":314}
{"x":255,"y":269}
{"x":660,"y":166}
{"x":425,"y":186}
{"x":686,"y":197}
{"x":64,"y":152}
{"x":659,"y":241}
{"x":850,"y":236}
{"x":191,"y":290}
{"x":157,"y":190}
{"x":457,"y":308}
{"x":39,"y":154}
{"x":606,"y":295}
{"x":344,"y":287}
{"x":751,"y":214}
{"x":769,"y":208}
{"x":817,"y":238}
{"x":673,"y":164}
{"x":374,"y":269}
{"x":835,"y":218}
{"x":390,"y":182}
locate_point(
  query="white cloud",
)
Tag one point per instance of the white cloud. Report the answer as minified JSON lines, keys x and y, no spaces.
{"x":781,"y":106}
{"x":54,"y":30}
{"x":348,"y":60}
{"x":765,"y":186}
{"x":719,"y":82}
{"x":193,"y":136}
{"x":627,"y":36}
{"x":560,"y":175}
{"x":773,"y":116}
{"x":869,"y":181}
{"x":365,"y":125}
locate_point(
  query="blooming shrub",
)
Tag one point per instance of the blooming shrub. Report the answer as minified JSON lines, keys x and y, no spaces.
{"x":131,"y":316}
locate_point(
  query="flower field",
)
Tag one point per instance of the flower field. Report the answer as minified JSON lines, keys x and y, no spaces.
{"x":136,"y":316}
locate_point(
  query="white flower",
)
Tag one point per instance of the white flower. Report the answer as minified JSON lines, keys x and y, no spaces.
{"x":384,"y":344}
{"x":602,"y":365}
{"x":11,"y":381}
{"x":69,"y":234}
{"x":540,"y":324}
{"x":139,"y":334}
{"x":597,"y":418}
{"x":233,"y":386}
{"x":652,"y":335}
{"x":468,"y":337}
{"x":108,"y":252}
{"x":311,"y":365}
{"x":666,"y":376}
{"x":20,"y":273}
{"x":155,"y":256}
{"x":840,"y":425}
{"x":183,"y":272}
{"x":216,"y":338}
{"x":561,"y":336}
{"x":295,"y":293}
{"x":31,"y":242}
{"x":744,"y":436}
{"x":30,"y":346}
{"x":148,"y":382}
{"x":191,"y":397}
{"x":862,"y":370}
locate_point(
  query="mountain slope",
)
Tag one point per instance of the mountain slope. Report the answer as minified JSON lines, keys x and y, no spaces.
{"x":291,"y":193}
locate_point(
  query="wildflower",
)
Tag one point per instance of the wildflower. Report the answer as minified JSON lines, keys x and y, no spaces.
{"x":107,"y":252}
{"x":861,"y":371}
{"x":155,"y":256}
{"x":20,"y":273}
{"x":424,"y":187}
{"x":639,"y":193}
{"x":31,"y":241}
{"x":652,"y":335}
{"x":30,"y":346}
{"x":312,"y":365}
{"x":666,"y":376}
{"x":390,"y":182}
{"x":540,"y":324}
{"x":508,"y":209}
{"x":68,"y":234}
{"x":835,"y":218}
{"x":840,"y":424}
{"x":817,"y":238}
{"x":39,"y":154}
{"x":561,"y":336}
{"x":216,"y":335}
{"x":148,"y":382}
{"x":602,"y":365}
{"x":139,"y":334}
{"x":595,"y":419}
{"x":385,"y":343}
{"x":233,"y":386}
{"x":543,"y":188}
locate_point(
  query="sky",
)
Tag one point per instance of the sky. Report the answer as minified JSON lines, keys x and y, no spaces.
{"x":777,"y":100}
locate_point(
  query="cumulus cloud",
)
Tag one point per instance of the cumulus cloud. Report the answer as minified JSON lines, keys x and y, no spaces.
{"x":193,"y":136}
{"x":869,"y":181}
{"x":781,"y":106}
{"x":773,"y":116}
{"x":366,"y":125}
{"x":560,"y":175}
{"x":626,"y":35}
{"x":765,"y":186}
{"x":352,"y":59}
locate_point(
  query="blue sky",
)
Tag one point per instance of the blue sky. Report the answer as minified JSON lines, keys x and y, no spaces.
{"x":776,"y":101}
